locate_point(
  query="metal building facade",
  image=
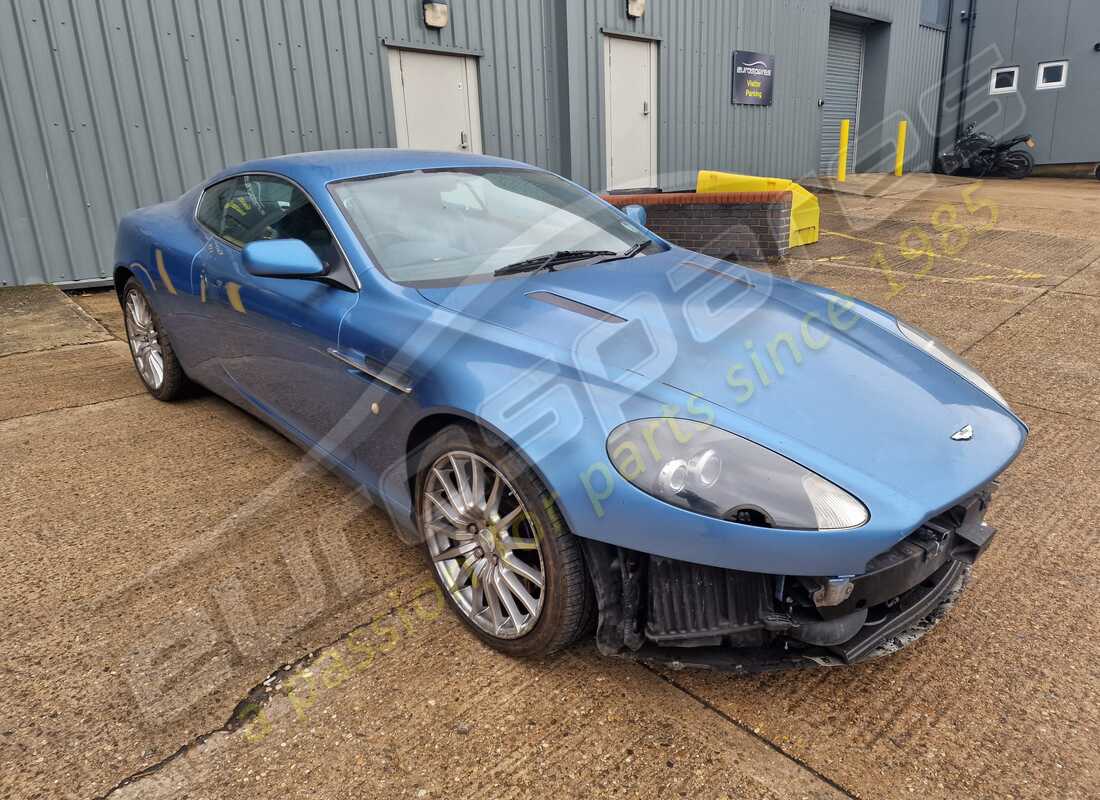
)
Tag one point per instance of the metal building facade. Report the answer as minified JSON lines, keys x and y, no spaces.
{"x":108,"y":105}
{"x":1024,"y":34}
{"x":699,"y":126}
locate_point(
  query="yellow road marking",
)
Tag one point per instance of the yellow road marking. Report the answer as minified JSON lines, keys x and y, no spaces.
{"x":910,"y":252}
{"x":167,"y":281}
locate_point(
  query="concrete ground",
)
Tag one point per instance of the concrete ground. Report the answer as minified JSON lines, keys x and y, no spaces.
{"x":193,"y":609}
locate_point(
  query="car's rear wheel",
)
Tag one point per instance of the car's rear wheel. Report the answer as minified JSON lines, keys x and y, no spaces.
{"x":154,"y":358}
{"x":498,"y":547}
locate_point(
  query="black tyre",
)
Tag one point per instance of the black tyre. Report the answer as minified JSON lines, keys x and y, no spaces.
{"x":1016,"y":164}
{"x":154,"y":358}
{"x":498,"y":547}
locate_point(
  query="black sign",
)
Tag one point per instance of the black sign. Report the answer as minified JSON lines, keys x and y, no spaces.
{"x":752,"y":78}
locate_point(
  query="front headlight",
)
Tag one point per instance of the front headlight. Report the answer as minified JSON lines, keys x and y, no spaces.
{"x":942,"y":353}
{"x":719,"y":474}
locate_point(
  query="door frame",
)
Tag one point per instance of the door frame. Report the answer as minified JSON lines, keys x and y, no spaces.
{"x":605,"y":83}
{"x":853,"y":155}
{"x":471,"y":69}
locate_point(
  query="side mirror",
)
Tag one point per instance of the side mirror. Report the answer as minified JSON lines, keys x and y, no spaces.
{"x":636,"y":213}
{"x":281,"y":258}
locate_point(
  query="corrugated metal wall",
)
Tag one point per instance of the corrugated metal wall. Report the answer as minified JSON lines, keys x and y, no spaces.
{"x":108,"y":105}
{"x":698,"y":124}
{"x":913,"y":82}
{"x":1023,"y":33}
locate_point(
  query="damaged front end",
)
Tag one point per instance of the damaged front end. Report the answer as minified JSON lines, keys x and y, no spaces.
{"x":692,"y":615}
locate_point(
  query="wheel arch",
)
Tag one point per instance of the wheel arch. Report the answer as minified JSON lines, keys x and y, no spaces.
{"x":137,"y":271}
{"x":435,"y":421}
{"x":121,"y":276}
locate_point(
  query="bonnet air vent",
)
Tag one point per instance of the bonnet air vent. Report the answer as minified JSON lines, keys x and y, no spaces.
{"x":574,"y":306}
{"x":720,"y":273}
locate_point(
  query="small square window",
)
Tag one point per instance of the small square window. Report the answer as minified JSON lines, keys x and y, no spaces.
{"x":1003,"y":80}
{"x":1052,"y":75}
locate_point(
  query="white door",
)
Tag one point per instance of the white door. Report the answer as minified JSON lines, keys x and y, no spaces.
{"x":630,"y":113}
{"x":435,"y":101}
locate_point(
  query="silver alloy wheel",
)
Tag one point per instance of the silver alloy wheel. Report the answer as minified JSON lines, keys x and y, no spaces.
{"x":144,"y":343}
{"x":484,"y":544}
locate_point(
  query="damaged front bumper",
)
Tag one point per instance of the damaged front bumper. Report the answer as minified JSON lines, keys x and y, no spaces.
{"x":685,"y":614}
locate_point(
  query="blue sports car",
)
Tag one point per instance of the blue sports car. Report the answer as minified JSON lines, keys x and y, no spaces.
{"x":585,"y":427}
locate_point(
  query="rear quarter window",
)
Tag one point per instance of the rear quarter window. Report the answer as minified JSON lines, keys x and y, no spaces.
{"x":233,"y":209}
{"x":209,"y":213}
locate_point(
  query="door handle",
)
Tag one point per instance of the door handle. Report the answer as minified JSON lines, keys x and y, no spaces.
{"x":645,"y":108}
{"x":462,"y":142}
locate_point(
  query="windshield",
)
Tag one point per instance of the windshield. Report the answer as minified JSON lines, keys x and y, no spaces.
{"x":443,"y":227}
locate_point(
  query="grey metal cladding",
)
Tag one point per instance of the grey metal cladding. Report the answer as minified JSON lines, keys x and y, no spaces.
{"x":698,"y":125}
{"x":1024,"y":33}
{"x":115,"y":104}
{"x":109,"y":105}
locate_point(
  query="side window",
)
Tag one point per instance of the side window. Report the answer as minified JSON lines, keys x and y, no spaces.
{"x":212,"y":205}
{"x":234,"y":211}
{"x":250,"y":207}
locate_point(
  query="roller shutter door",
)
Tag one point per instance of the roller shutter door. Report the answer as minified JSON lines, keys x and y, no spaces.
{"x":843,"y":82}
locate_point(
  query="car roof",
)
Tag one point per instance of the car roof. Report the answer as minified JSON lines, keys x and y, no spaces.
{"x":325,"y":166}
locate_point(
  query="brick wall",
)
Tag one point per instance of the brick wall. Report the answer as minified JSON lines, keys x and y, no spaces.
{"x":750,"y":226}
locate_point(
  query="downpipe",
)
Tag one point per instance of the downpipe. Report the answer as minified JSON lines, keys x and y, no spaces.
{"x":964,"y":90}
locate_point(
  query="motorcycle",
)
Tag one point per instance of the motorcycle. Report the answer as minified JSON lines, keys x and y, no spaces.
{"x":979,"y":154}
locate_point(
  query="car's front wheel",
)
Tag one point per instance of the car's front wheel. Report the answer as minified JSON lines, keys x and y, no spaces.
{"x":498,"y":547}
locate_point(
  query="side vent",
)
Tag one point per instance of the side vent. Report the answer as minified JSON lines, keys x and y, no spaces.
{"x":578,"y":308}
{"x":719,"y":273}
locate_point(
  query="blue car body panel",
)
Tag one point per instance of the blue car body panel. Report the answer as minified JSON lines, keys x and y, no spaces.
{"x":824,"y":380}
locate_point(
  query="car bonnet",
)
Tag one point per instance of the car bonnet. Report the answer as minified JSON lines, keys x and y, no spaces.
{"x":813,"y":375}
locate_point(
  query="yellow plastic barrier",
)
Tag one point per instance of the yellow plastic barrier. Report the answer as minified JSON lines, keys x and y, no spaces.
{"x":805,"y":210}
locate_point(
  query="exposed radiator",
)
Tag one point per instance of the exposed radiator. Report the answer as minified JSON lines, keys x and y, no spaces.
{"x":688,"y":602}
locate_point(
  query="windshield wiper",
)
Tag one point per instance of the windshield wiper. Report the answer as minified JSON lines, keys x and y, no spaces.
{"x":630,"y":252}
{"x":549,"y":260}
